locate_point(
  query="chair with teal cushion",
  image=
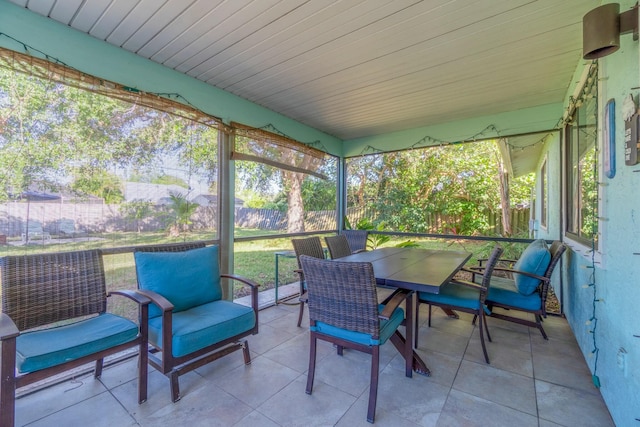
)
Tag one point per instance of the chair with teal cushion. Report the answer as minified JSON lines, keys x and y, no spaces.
{"x":310,"y":246}
{"x":344,"y":310}
{"x":190,"y":324}
{"x":466,"y":296}
{"x":357,"y":239}
{"x":338,"y":246}
{"x":54,"y":319}
{"x":510,"y":295}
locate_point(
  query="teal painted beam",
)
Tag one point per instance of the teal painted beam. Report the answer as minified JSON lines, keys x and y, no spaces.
{"x":534,"y":119}
{"x":100,"y":59}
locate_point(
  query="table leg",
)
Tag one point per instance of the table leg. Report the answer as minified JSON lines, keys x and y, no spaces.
{"x":276,"y":281}
{"x":405,"y":344}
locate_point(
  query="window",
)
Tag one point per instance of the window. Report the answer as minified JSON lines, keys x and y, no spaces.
{"x":581,"y":166}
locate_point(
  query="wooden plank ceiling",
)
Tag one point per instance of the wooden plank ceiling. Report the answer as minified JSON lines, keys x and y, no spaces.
{"x":353,"y":68}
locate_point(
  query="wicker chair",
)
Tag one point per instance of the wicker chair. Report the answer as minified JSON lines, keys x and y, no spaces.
{"x":310,"y":246}
{"x":357,"y":239}
{"x":183,"y":283}
{"x":464,"y":296}
{"x":338,"y":246}
{"x":40,"y":291}
{"x":344,"y":310}
{"x":505,"y":294}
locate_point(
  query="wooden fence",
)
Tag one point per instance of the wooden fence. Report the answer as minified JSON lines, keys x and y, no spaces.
{"x":100,"y":218}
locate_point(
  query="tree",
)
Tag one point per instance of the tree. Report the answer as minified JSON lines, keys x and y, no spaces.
{"x":182,"y":211}
{"x":137,"y":210}
{"x":98,"y":183}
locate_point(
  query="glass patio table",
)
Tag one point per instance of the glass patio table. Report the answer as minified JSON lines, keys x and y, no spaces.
{"x":413,"y":269}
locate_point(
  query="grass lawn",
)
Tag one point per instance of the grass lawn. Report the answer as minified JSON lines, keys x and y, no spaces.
{"x":253,"y":259}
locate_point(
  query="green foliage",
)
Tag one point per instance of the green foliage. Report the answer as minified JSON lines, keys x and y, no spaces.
{"x":98,"y":183}
{"x":137,"y":210}
{"x":449,"y":189}
{"x":182,"y":211}
{"x":51,"y":132}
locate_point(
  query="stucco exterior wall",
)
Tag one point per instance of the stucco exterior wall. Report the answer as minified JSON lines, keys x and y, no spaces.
{"x":615,"y":322}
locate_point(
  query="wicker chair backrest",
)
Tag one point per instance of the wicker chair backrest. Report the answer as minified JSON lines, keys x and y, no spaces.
{"x":357,"y":239}
{"x":171,"y":247}
{"x":310,"y":246}
{"x":342,"y":294}
{"x":338,"y":246}
{"x":41,"y":289}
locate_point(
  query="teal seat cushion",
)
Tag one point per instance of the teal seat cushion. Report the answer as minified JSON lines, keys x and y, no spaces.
{"x":504,"y":292}
{"x":455,"y":295}
{"x":50,"y":347}
{"x":187,"y":279}
{"x":204,"y":325}
{"x":535,"y":259}
{"x":387,"y":328}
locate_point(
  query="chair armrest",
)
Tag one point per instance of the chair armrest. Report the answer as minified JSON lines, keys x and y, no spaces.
{"x":241,"y":279}
{"x":501,"y":260}
{"x":8,"y":329}
{"x":524,"y":273}
{"x":136,"y":296}
{"x":357,"y":251}
{"x":162,"y":303}
{"x":392,"y":302}
{"x":468,"y":284}
{"x":254,"y":288}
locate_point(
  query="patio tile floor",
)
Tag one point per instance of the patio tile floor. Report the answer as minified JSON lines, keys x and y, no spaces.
{"x":530,"y":382}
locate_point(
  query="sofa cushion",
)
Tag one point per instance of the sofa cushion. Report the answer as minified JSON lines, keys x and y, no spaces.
{"x":203,"y":325}
{"x":535,"y":259}
{"x":186,"y":279}
{"x":387,"y":328}
{"x":50,"y":347}
{"x":504,"y":292}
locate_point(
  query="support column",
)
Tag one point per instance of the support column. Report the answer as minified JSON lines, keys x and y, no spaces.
{"x":341,"y":205}
{"x":226,"y":204}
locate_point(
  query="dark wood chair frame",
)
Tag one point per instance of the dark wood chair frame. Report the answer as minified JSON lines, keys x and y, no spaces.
{"x":556,"y":250}
{"x":174,"y":367}
{"x":356,"y":290}
{"x":311,"y":246}
{"x":73,"y":286}
{"x":483,"y":289}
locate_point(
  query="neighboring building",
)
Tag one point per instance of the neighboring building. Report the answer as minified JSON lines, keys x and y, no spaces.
{"x":158,"y":194}
{"x":212,"y":200}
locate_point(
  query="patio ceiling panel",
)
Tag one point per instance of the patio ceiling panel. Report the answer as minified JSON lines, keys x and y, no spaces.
{"x":354,"y":68}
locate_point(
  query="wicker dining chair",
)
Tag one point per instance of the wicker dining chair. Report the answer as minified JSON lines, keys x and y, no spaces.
{"x":338,"y":246}
{"x":344,"y":310}
{"x":464,"y":296}
{"x":310,"y":246}
{"x":357,"y":239}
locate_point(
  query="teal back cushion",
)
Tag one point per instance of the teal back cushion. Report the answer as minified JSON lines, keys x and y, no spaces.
{"x":535,"y":259}
{"x":186,"y":279}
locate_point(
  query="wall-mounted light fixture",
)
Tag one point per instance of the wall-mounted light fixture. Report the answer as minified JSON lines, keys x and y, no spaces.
{"x":601,"y":29}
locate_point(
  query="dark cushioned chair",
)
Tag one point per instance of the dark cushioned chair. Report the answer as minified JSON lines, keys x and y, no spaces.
{"x":464,"y":296}
{"x":54,"y":319}
{"x":310,"y":246}
{"x":357,"y":239}
{"x":527,"y":291}
{"x":190,"y":324}
{"x":344,"y":310}
{"x":338,"y":246}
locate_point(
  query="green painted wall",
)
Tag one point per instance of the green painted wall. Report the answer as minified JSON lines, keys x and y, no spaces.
{"x":617,"y":271}
{"x":505,"y":124}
